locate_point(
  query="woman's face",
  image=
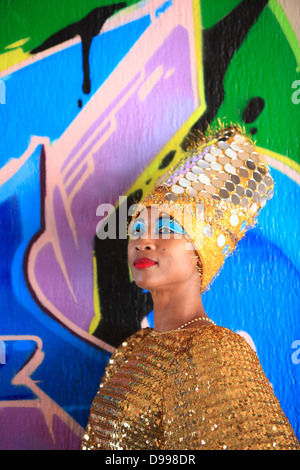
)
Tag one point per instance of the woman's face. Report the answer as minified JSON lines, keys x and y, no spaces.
{"x":159,"y":254}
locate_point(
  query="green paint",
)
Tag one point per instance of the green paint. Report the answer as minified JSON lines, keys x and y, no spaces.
{"x":265,"y":66}
{"x":212,"y":11}
{"x":38,"y":20}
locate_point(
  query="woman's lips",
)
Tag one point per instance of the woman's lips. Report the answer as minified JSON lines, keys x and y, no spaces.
{"x":142,"y":263}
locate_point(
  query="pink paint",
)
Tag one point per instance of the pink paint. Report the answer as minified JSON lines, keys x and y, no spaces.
{"x":143,"y":103}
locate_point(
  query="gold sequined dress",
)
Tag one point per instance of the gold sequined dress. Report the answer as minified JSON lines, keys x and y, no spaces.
{"x":195,"y":388}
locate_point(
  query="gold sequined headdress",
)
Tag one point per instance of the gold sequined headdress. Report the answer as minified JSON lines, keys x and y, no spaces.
{"x":215,"y":192}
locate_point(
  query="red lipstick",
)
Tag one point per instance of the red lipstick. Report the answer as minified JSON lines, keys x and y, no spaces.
{"x":142,"y":263}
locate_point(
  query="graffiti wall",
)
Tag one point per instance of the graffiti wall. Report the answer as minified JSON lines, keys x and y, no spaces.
{"x":97,"y":99}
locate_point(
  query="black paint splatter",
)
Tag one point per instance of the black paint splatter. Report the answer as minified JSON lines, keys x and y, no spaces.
{"x":220,"y":43}
{"x":86,"y":28}
{"x":253,"y":109}
{"x":167,"y":159}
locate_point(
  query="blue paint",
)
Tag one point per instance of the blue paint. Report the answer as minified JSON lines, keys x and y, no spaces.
{"x":163,"y":8}
{"x":51,"y":104}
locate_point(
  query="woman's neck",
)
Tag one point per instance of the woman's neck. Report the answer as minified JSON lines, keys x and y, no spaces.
{"x":175,"y":307}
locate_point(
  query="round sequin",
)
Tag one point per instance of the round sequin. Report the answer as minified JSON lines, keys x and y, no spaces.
{"x":223,"y":176}
{"x":251,"y":184}
{"x":223,"y":193}
{"x":171,"y":197}
{"x":235,"y":199}
{"x":254,"y":156}
{"x":230,"y":153}
{"x":229,"y":186}
{"x":235,"y":146}
{"x":236,"y":162}
{"x":205,"y":193}
{"x":184,"y":182}
{"x":253,"y":207}
{"x":215,"y":151}
{"x":229,"y":168}
{"x":244,"y":173}
{"x":210,"y":158}
{"x":257,"y":176}
{"x":216,"y":197}
{"x":223,"y":145}
{"x":197,"y":185}
{"x":256,"y":197}
{"x":217,"y":183}
{"x":197,"y":170}
{"x":235,"y":178}
{"x":204,"y":179}
{"x":216,"y":166}
{"x":177,"y":189}
{"x":248,"y":147}
{"x":262,"y":188}
{"x":268,"y":180}
{"x":263,"y":201}
{"x":191,"y":191}
{"x":191,"y":176}
{"x":210,"y":189}
{"x":209,"y":172}
{"x":208,"y":231}
{"x":239,"y":138}
{"x":245,"y":202}
{"x":250,"y":164}
{"x":243,"y":155}
{"x":248,"y":192}
{"x":223,"y":159}
{"x":234,"y":220}
{"x":240,"y":190}
{"x":203,"y":164}
{"x":221,"y":240}
{"x":262,"y":169}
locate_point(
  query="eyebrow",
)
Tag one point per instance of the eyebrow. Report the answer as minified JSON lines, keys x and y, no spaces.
{"x":161,"y":217}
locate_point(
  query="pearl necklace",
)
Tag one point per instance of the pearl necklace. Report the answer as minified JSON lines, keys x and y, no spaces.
{"x":193,"y":321}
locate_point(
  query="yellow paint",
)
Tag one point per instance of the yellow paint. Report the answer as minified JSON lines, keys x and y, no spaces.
{"x":97,"y":311}
{"x":16,"y":44}
{"x":13,"y":57}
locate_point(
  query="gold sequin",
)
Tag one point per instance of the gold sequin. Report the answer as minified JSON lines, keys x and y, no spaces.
{"x":196,"y":388}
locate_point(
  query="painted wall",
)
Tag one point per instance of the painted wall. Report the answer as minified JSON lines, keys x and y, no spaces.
{"x":96,"y":100}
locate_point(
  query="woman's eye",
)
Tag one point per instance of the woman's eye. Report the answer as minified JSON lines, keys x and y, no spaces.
{"x":165,"y":229}
{"x":137,"y":230}
{"x":169,"y":227}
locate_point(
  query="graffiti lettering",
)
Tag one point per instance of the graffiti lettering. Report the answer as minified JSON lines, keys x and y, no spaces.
{"x":296,"y":94}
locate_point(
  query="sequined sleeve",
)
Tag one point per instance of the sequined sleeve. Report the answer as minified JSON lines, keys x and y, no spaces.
{"x":90,"y":440}
{"x":218,"y":397}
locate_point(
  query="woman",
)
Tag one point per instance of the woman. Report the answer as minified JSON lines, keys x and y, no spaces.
{"x":187,"y":383}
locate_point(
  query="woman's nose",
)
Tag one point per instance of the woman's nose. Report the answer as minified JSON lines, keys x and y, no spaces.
{"x":145,"y":243}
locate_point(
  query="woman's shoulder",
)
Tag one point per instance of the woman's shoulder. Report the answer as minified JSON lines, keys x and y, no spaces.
{"x":222,"y":344}
{"x":219,"y":335}
{"x":130,"y":343}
